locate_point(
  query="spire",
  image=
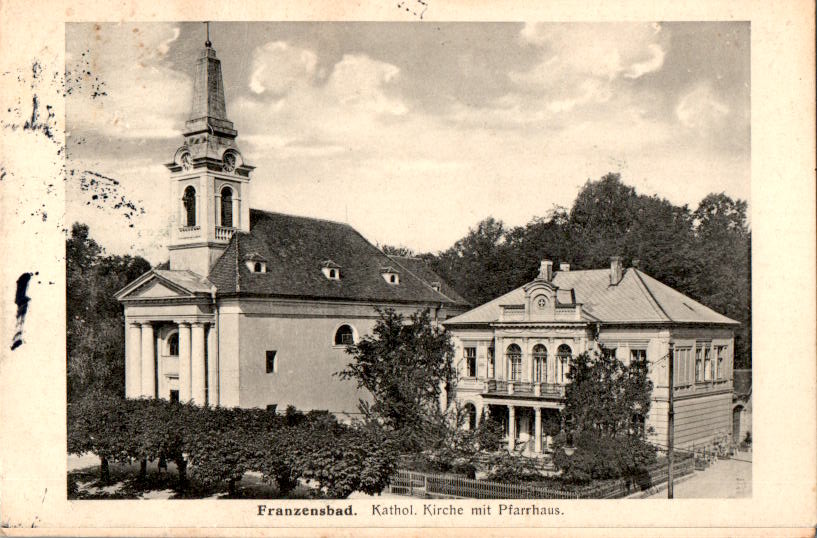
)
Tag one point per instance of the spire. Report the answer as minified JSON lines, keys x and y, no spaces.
{"x":209,"y":112}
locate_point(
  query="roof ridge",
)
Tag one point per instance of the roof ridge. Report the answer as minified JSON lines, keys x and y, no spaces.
{"x":318,"y":219}
{"x":653,"y":301}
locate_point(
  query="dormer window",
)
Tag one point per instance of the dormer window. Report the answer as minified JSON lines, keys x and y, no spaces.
{"x":390,"y":275}
{"x":256,"y":263}
{"x":330,"y":270}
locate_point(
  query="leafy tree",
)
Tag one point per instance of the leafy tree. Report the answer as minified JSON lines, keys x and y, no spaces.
{"x":603,"y":401}
{"x":405,"y":364}
{"x":392,"y":250}
{"x":95,"y":321}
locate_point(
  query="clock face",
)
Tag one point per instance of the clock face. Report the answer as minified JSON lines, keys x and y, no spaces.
{"x":186,"y":161}
{"x":229,"y":162}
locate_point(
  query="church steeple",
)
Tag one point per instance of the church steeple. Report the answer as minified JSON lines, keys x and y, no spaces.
{"x":209,"y":109}
{"x":209,"y":177}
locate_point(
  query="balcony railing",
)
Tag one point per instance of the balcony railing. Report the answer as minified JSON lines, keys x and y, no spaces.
{"x":524,"y":388}
{"x":189,"y":231}
{"x":224,"y":233}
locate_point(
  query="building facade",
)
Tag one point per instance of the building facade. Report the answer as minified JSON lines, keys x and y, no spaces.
{"x":513,"y":352}
{"x":256,"y":308}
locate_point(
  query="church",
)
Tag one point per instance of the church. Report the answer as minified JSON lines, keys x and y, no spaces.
{"x":256,"y":308}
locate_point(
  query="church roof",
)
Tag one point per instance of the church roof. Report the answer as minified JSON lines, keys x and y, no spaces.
{"x":296,"y":248}
{"x":637,"y":298}
{"x":420,"y":268}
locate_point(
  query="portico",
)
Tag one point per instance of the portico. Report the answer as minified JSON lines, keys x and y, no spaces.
{"x":171,"y":343}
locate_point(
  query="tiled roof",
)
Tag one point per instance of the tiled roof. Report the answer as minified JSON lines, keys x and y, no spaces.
{"x":637,"y":298}
{"x":420,"y":268}
{"x":295,"y":249}
{"x":186,"y":279}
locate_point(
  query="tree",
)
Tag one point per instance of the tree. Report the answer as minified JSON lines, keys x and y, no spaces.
{"x":405,"y":364}
{"x":397,"y":251}
{"x":95,"y":321}
{"x":604,"y":402}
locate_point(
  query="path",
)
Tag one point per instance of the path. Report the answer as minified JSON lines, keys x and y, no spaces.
{"x":724,"y":479}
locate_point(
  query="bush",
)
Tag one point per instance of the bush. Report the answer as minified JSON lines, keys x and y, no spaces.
{"x":221,"y":444}
{"x":600,"y":457}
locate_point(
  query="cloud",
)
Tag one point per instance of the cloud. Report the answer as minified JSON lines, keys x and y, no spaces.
{"x":700,"y":109}
{"x":145,"y":97}
{"x":278,"y":67}
{"x":581,"y":63}
{"x":359,"y":81}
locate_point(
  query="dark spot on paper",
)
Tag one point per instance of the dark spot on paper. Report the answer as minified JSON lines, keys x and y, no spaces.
{"x":414,"y":7}
{"x":21,"y":300}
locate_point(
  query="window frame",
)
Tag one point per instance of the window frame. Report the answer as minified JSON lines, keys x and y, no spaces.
{"x":170,"y":339}
{"x":540,"y":363}
{"x":342,"y":344}
{"x":189,"y":205}
{"x":229,"y":190}
{"x":514,"y":360}
{"x":562,"y":359}
{"x":272,"y":361}
{"x":469,"y":354}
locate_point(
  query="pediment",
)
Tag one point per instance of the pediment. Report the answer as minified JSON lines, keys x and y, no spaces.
{"x":156,"y":289}
{"x":153,"y":286}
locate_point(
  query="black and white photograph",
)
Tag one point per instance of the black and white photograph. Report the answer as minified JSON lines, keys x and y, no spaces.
{"x":400,"y":272}
{"x":321,"y":249}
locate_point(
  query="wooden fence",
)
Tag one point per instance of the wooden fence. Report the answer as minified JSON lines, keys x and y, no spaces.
{"x":434,"y":485}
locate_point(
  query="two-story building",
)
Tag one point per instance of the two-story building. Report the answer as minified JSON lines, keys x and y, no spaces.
{"x":513,"y":352}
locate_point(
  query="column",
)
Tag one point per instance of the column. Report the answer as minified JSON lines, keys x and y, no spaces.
{"x":148,"y":361}
{"x":537,"y":430}
{"x":218,"y":207}
{"x":511,"y":427}
{"x":133,"y":362}
{"x":236,"y":209}
{"x":499,"y":360}
{"x":197,"y":381}
{"x":212,"y":367}
{"x":184,"y":362}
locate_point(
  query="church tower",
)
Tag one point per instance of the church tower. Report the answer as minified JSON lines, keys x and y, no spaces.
{"x":209,"y":178}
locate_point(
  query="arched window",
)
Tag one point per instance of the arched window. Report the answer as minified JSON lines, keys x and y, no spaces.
{"x":470,"y":416}
{"x":540,"y":363}
{"x":563,"y":355}
{"x":514,"y":355}
{"x":227,"y":207}
{"x":189,"y":201}
{"x":173,"y":345}
{"x":344,"y":336}
{"x":257,"y":268}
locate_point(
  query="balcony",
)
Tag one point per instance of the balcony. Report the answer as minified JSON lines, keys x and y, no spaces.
{"x":224,"y":233}
{"x":186,"y":232}
{"x":501,"y":387}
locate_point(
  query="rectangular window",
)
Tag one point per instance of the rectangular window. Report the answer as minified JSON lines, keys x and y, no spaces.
{"x":471,"y":361}
{"x":491,"y":362}
{"x":721,"y":352}
{"x":174,"y":396}
{"x":708,"y":366}
{"x":638,"y":355}
{"x":681,"y":366}
{"x":609,"y":352}
{"x":272,"y":363}
{"x":699,"y":365}
{"x":516,"y":369}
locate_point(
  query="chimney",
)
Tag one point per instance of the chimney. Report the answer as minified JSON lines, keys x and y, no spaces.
{"x":564,"y":267}
{"x":546,"y":270}
{"x":615,"y":270}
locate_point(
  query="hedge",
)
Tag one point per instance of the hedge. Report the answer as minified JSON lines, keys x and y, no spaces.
{"x":219,"y":445}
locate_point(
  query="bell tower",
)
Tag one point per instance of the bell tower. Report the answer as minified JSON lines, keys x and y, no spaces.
{"x":209,"y":178}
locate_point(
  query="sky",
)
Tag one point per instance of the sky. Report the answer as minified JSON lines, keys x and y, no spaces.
{"x":411,"y":132}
